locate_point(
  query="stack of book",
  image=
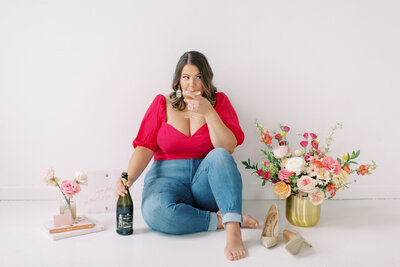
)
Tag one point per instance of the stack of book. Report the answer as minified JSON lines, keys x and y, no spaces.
{"x":81,"y":226}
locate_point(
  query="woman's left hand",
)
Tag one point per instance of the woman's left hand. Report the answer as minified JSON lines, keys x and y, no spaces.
{"x":198,"y":104}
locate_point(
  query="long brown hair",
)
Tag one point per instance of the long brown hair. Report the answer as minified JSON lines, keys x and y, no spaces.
{"x":200,"y":61}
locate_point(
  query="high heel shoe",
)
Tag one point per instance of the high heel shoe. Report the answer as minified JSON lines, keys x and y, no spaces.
{"x":294,"y":241}
{"x":269,"y":236}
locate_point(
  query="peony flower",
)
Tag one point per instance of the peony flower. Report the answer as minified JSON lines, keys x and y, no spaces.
{"x":304,"y":143}
{"x":282,"y":189}
{"x":281,"y":152}
{"x":70,"y":188}
{"x":313,"y":136}
{"x":317,"y":196}
{"x":306,"y":184}
{"x":331,"y":164}
{"x":266,"y":175}
{"x":48,"y":177}
{"x":284,"y":175}
{"x":298,"y":152}
{"x":295,"y":164}
{"x":81,"y":178}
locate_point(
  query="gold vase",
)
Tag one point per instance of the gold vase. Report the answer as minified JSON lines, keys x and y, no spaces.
{"x":301,"y":212}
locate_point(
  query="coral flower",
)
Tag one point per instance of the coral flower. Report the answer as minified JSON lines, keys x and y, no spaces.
{"x":346,"y":169}
{"x":282,"y":190}
{"x":363,"y":169}
{"x":317,"y":163}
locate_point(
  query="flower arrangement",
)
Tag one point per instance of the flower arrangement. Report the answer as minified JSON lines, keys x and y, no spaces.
{"x":309,"y":171}
{"x":68,"y":188}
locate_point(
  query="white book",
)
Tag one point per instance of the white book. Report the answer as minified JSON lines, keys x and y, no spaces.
{"x":56,"y":236}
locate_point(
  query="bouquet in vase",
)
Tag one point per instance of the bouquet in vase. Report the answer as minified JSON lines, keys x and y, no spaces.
{"x":308,"y":171}
{"x":68,"y":188}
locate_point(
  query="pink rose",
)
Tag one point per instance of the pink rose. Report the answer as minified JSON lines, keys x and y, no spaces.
{"x":286,"y":128}
{"x":267,"y":175}
{"x":306,"y":184}
{"x":316,"y":196}
{"x":313,"y":136}
{"x":314,"y":144}
{"x":47,"y":177}
{"x":285,"y":174}
{"x":70,"y":188}
{"x":331,"y":164}
{"x":281,"y":152}
{"x":304,"y":143}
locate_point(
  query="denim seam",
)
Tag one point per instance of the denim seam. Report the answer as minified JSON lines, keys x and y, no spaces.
{"x":211,"y":187}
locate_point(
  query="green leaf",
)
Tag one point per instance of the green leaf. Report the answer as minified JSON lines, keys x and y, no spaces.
{"x":353,"y":162}
{"x":357,"y":154}
{"x":353,"y":155}
{"x":263,"y":183}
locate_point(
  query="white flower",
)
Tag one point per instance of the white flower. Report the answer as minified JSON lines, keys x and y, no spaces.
{"x":295,"y":164}
{"x":281,"y":152}
{"x":298,"y":152}
{"x":312,"y":170}
{"x":81,"y":178}
{"x":47,"y":177}
{"x":306,"y":184}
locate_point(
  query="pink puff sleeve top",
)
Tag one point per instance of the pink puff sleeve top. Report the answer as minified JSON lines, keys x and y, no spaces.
{"x":169,"y":143}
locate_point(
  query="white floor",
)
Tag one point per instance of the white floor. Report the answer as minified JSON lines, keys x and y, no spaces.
{"x":350,"y":233}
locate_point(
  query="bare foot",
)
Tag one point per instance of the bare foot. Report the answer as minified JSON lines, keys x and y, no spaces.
{"x":234,"y":249}
{"x":248,"y":222}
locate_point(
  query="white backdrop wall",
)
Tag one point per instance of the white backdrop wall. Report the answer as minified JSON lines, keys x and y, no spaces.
{"x":76,"y":78}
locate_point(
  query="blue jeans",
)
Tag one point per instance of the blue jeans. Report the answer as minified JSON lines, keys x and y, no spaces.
{"x":182,"y":196}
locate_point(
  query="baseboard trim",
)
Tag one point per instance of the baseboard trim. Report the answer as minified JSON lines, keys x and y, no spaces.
{"x":250,"y":192}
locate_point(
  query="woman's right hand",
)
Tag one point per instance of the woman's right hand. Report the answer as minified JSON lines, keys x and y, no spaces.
{"x":120,"y":188}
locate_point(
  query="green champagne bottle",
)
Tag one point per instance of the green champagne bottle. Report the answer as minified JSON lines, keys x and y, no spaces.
{"x":125,"y":210}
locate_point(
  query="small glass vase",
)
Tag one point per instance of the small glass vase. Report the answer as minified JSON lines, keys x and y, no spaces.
{"x":71,"y":206}
{"x":301,"y":212}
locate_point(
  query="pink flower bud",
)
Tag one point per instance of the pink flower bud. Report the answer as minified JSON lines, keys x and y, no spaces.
{"x":267,"y":175}
{"x":278,"y":137}
{"x":304,"y":143}
{"x":314,"y":144}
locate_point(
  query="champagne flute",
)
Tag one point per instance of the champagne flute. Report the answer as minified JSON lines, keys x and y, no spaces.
{"x":190,"y":113}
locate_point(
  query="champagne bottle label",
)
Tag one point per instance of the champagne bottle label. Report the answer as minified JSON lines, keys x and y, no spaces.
{"x":124,"y":219}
